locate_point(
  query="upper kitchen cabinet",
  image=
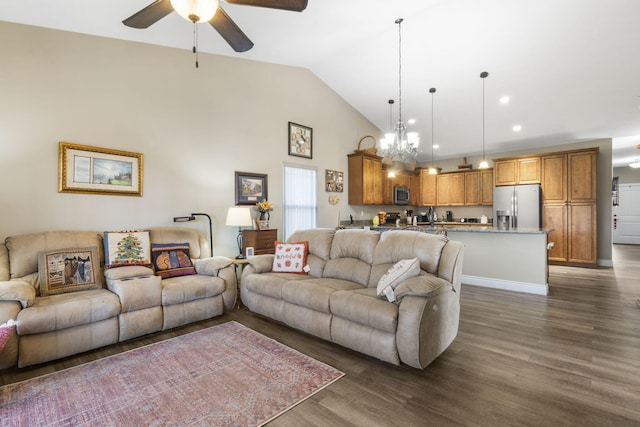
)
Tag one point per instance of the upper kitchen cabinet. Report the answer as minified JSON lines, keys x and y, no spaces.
{"x":582,"y":176}
{"x":427,"y":188}
{"x":472,"y":188}
{"x":517,"y":170}
{"x":365,"y":179}
{"x":450,"y":189}
{"x":486,"y":187}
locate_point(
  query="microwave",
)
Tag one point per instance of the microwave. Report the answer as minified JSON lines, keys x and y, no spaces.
{"x":400,"y":195}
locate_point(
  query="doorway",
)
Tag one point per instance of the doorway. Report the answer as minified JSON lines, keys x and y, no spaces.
{"x":626,"y":215}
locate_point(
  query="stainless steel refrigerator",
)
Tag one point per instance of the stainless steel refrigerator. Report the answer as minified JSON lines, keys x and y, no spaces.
{"x":522,"y":203}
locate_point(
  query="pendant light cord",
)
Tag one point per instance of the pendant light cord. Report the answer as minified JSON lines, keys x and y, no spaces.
{"x":432,"y":91}
{"x":483,"y":75}
{"x":399,"y":22}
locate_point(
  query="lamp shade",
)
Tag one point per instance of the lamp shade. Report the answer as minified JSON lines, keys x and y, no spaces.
{"x":239,"y":217}
{"x":195,"y":10}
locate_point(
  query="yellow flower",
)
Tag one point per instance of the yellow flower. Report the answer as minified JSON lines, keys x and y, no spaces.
{"x":264,"y":206}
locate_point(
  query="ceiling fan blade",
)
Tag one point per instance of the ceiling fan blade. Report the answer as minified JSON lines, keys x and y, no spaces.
{"x":149,"y":15}
{"x":293,"y":5}
{"x":230,"y":31}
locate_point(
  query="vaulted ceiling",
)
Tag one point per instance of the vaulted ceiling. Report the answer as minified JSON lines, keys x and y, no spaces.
{"x":571,"y":68}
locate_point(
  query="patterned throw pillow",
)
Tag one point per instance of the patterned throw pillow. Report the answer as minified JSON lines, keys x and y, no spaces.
{"x":172,"y":259}
{"x":290,"y":257}
{"x":122,"y":248}
{"x":68,"y":270}
{"x":399,"y":272}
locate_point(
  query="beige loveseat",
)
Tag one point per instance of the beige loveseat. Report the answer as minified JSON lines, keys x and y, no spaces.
{"x":130,"y":301}
{"x":338,"y":299}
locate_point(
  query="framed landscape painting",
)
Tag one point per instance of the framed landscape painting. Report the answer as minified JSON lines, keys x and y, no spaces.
{"x":94,"y":170}
{"x":251,"y":188}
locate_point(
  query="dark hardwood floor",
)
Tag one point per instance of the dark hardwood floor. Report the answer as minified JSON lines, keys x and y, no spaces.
{"x":569,"y":358}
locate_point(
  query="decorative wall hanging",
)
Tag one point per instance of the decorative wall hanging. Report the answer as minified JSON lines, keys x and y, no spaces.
{"x":251,"y":188}
{"x":334,"y":181}
{"x":300,"y":141}
{"x":93,"y":170}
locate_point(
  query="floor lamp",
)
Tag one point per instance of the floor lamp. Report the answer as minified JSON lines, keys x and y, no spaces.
{"x":192,"y":217}
{"x":239,"y":217}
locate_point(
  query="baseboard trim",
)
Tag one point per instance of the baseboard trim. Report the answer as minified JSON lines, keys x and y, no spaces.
{"x":508,"y":285}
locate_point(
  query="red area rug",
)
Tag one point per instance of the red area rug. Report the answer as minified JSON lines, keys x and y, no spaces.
{"x":226,"y":375}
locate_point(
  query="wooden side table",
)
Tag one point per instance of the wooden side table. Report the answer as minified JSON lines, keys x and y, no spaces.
{"x":241,"y":262}
{"x":262,"y":241}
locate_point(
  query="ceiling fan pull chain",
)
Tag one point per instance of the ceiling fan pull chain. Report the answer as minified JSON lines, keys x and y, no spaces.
{"x":195,"y":42}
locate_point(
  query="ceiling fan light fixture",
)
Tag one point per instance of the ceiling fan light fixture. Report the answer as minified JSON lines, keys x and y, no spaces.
{"x":195,"y":11}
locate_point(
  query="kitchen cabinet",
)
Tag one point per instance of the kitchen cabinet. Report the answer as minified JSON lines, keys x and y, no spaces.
{"x":517,"y":170}
{"x":569,"y":206}
{"x":472,"y":188}
{"x":414,"y":187}
{"x":402,"y":179}
{"x":427,"y":188}
{"x":365,"y":179}
{"x":450,"y":189}
{"x":486,"y":187}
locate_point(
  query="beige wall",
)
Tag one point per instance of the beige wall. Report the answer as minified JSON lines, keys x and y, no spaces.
{"x":195,"y":127}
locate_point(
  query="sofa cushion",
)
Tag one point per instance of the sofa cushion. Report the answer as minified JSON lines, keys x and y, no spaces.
{"x":56,"y":312}
{"x":315,"y":293}
{"x":129,"y":272}
{"x":124,"y":248}
{"x":399,"y":272}
{"x":290,"y":257}
{"x":364,"y":307}
{"x":177,"y":290}
{"x":271,"y":284}
{"x":69,"y":270}
{"x":403,"y":244}
{"x":319,"y":240}
{"x":172,"y":259}
{"x":351,"y":269}
{"x":358,"y":244}
{"x":24,"y":249}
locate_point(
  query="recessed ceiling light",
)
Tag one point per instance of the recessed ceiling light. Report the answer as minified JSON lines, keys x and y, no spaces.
{"x":411,"y":121}
{"x":505,"y":100}
{"x":517,"y":128}
{"x":635,"y":164}
{"x":436,"y":146}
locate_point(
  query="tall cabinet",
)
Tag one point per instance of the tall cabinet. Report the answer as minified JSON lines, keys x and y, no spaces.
{"x":365,"y":179}
{"x":569,"y":205}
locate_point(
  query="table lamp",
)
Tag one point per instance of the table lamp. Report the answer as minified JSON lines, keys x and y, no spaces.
{"x":239,"y":217}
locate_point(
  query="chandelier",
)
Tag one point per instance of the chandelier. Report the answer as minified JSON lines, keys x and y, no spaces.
{"x":400,"y":147}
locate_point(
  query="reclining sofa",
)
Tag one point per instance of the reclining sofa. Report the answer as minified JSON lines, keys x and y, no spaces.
{"x":337,"y":298}
{"x":127,"y":302}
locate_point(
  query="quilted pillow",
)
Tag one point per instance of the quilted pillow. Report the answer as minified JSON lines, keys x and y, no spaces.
{"x":123,"y":248}
{"x":68,"y":270}
{"x":291,"y":257}
{"x":172,"y":259}
{"x":399,"y":272}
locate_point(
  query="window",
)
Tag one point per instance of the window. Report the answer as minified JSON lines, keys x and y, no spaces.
{"x":300,"y":199}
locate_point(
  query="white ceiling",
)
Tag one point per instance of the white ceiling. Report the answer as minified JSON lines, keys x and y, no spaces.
{"x":570,"y":67}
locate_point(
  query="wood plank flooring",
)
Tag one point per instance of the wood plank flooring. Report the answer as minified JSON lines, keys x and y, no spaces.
{"x":570,"y":358}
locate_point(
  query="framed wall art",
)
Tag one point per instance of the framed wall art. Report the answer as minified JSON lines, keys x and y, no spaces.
{"x":334,"y":181}
{"x":251,"y":188}
{"x":94,"y":170}
{"x":300,"y":141}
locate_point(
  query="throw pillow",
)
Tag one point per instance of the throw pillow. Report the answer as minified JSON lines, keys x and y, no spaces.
{"x":172,"y":259}
{"x":68,"y":270}
{"x":400,"y":271}
{"x":127,"y":248}
{"x":5,"y":332}
{"x":290,"y":257}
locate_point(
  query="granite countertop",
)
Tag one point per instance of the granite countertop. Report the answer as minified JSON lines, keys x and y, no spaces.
{"x":451,"y":227}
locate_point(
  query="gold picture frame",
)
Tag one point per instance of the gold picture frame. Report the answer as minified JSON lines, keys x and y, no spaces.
{"x":94,"y":170}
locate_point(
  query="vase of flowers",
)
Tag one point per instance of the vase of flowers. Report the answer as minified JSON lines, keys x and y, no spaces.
{"x":264,"y":208}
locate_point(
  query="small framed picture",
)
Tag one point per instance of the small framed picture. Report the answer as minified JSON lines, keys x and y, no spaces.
{"x":250,"y":251}
{"x":334,"y":181}
{"x":300,"y":141}
{"x":251,"y":188}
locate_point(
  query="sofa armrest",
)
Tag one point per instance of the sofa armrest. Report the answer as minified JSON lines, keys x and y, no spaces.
{"x":425,"y":285}
{"x":17,"y":290}
{"x":261,"y":263}
{"x":212,"y":265}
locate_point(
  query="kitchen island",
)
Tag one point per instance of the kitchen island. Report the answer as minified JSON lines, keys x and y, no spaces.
{"x":512,"y":259}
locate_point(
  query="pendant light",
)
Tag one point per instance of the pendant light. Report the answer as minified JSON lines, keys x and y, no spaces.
{"x":403,"y":148}
{"x":432,"y":169}
{"x":483,"y":163}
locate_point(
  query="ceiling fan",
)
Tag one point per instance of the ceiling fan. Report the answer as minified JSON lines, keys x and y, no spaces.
{"x":209,"y":10}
